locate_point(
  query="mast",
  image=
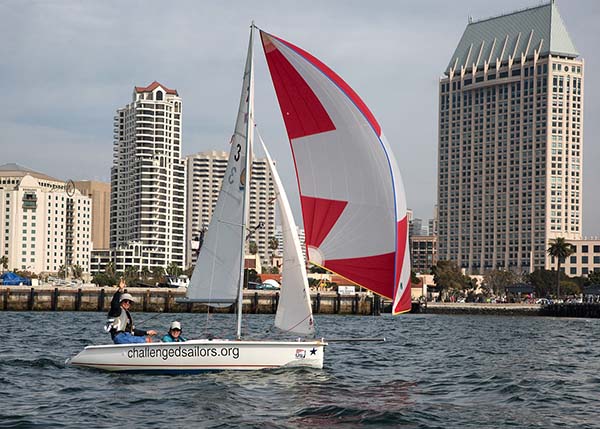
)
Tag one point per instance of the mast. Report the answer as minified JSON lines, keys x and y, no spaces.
{"x":247,"y":171}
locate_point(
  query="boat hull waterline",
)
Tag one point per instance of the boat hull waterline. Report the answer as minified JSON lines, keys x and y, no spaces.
{"x":201,"y":355}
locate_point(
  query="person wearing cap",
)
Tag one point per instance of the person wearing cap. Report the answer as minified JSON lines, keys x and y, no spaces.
{"x":122,"y":330}
{"x":174,"y":334}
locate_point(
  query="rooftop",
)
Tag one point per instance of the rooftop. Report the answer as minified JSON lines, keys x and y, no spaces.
{"x":15,"y":170}
{"x":153,"y":86}
{"x":538,"y":29}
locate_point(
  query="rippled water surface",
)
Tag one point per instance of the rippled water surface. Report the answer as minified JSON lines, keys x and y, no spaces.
{"x":433,"y":372}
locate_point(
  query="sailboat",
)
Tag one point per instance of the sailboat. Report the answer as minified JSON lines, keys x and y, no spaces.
{"x":353,"y":210}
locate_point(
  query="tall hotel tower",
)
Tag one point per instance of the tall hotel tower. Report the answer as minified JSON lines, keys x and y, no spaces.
{"x":510,"y":142}
{"x":205,"y":174}
{"x":147,"y":215}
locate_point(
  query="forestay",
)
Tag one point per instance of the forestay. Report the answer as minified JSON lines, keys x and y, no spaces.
{"x":351,"y":192}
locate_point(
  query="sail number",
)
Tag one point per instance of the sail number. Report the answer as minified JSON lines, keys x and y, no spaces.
{"x":236,"y":157}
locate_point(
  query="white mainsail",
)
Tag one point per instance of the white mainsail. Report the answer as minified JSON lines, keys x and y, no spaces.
{"x":217,"y":275}
{"x":294,"y":312}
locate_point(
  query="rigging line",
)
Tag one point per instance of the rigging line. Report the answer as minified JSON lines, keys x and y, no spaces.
{"x":150,"y":318}
{"x":297,"y":324}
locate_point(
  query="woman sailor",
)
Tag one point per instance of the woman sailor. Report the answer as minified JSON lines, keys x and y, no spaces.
{"x":121,"y":328}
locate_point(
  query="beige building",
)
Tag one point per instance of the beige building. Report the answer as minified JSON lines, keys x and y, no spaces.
{"x":423,"y":252}
{"x":584,"y":261}
{"x":44,"y":227}
{"x":510,"y":142}
{"x":99,"y":192}
{"x":147,"y":218}
{"x":205,"y":172}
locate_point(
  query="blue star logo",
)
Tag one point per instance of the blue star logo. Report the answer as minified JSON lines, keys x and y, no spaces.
{"x":313,"y":351}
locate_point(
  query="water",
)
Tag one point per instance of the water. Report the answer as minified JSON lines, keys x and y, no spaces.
{"x":434,"y":372}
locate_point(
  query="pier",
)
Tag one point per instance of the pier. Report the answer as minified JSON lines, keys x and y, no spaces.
{"x":164,"y":300}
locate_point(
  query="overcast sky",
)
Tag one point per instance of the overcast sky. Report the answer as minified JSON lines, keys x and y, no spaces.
{"x":66,"y":66}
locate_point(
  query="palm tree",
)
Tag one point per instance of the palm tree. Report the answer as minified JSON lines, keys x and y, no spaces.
{"x":4,"y":263}
{"x":145,"y":273}
{"x":253,"y":247}
{"x":273,"y":243}
{"x":63,"y":271}
{"x":157,"y":273}
{"x":131,"y":275}
{"x":174,"y":270}
{"x":560,"y":250}
{"x":77,"y":271}
{"x":109,"y":269}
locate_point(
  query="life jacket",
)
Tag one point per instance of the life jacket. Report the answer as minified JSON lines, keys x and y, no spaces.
{"x":123,"y":323}
{"x":168,"y":338}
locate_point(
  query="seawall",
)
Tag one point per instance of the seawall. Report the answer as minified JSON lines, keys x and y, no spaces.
{"x":585,"y":310}
{"x":164,"y":300}
{"x":48,"y":298}
{"x":507,"y":309}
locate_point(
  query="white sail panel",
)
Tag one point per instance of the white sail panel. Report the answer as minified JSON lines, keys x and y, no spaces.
{"x":353,"y":202}
{"x":216,"y":276}
{"x":294,"y":312}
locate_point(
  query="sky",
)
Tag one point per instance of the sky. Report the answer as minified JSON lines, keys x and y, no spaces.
{"x":67,"y":66}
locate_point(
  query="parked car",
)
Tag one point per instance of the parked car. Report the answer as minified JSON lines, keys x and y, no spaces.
{"x":544,"y":301}
{"x":253,"y":285}
{"x":269,"y":285}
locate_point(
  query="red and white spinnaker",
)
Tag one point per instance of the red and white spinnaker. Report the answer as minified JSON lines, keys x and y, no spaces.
{"x":351,"y":191}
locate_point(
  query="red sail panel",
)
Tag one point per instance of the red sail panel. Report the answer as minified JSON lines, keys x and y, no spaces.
{"x":335,"y":78}
{"x":405,"y":303}
{"x":402,"y":236}
{"x":302,"y":112}
{"x":319,"y":216}
{"x":375,"y":273}
{"x":403,"y":274}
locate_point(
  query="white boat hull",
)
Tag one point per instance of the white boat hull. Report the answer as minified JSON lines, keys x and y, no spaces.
{"x":201,"y":355}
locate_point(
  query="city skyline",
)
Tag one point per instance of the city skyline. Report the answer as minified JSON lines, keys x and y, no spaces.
{"x":64,"y":92}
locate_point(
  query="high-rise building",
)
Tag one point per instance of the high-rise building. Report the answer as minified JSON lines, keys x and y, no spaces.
{"x":45,"y":228}
{"x":147,"y":215}
{"x":99,"y":192}
{"x":205,"y":172}
{"x":301,"y":237}
{"x":510,"y":142}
